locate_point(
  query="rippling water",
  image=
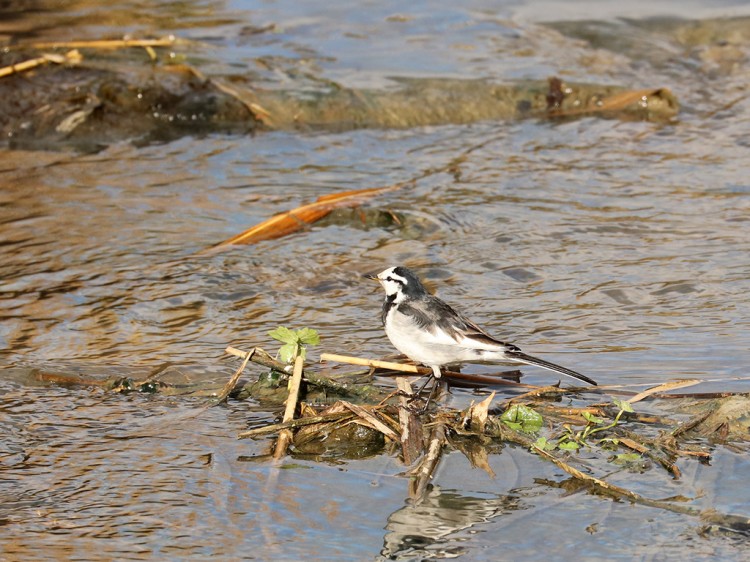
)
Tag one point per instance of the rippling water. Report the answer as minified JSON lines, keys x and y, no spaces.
{"x":617,"y":248}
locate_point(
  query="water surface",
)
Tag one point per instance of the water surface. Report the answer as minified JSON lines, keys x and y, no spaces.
{"x":616,"y":248}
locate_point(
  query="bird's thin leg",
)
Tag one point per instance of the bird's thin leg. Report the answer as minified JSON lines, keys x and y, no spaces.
{"x":414,"y":396}
{"x":433,"y":391}
{"x":426,"y":382}
{"x":435,"y":377}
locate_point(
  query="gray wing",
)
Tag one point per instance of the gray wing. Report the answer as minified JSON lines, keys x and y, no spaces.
{"x":431,"y":311}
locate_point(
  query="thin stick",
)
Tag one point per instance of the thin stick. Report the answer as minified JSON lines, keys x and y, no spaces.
{"x":578,"y":475}
{"x":71,"y":57}
{"x":400,"y":367}
{"x":374,"y":422}
{"x":285,"y":436}
{"x":261,"y":358}
{"x":294,"y":384}
{"x":633,"y":444}
{"x":245,"y":97}
{"x":108,"y":43}
{"x":21,"y":66}
{"x":508,"y":434}
{"x":663,"y":387}
{"x":235,"y":377}
{"x":295,"y":423}
{"x":374,"y":363}
{"x":640,"y":448}
{"x":538,"y":392}
{"x":619,"y":491}
{"x":255,"y":109}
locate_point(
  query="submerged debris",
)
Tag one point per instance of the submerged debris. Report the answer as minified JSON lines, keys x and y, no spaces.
{"x":87,"y":94}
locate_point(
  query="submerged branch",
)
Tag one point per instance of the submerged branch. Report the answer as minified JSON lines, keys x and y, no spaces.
{"x":412,"y":436}
{"x":423,"y":474}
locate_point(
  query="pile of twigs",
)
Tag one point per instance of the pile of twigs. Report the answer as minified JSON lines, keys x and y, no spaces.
{"x":420,"y":440}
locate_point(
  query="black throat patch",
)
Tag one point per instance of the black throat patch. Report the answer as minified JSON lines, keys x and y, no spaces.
{"x":388,"y":304}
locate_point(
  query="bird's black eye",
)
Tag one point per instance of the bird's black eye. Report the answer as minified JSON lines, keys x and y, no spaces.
{"x":389,"y":278}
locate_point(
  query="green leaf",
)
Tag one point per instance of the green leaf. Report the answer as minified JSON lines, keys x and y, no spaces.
{"x":284,"y":335}
{"x":545,"y":444}
{"x":591,"y":418}
{"x":624,"y":405}
{"x":568,"y":446}
{"x":288,"y":352}
{"x":527,"y":419}
{"x":625,"y":458}
{"x":308,"y":336}
{"x":609,"y":443}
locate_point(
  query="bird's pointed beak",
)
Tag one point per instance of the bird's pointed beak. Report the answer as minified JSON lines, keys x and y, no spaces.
{"x":371,"y":276}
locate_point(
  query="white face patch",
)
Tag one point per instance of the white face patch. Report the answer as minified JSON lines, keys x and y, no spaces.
{"x":392,"y":283}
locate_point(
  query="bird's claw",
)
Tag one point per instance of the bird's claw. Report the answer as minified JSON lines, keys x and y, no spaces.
{"x":416,"y":410}
{"x":419,"y":411}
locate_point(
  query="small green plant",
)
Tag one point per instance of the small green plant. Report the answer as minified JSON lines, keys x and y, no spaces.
{"x":545,"y":445}
{"x":627,"y":458}
{"x":574,"y":440}
{"x":623,"y":405}
{"x":522,"y":418}
{"x":295,"y":342}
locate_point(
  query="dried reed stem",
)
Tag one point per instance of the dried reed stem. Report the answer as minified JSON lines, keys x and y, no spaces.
{"x":285,"y":436}
{"x":374,"y":363}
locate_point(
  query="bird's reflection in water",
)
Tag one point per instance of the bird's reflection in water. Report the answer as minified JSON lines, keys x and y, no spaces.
{"x":427,"y":527}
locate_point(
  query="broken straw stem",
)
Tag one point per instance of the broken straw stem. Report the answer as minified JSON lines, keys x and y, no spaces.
{"x":375,"y":363}
{"x":285,"y":435}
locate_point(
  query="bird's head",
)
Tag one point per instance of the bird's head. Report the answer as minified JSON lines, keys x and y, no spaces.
{"x":399,"y":283}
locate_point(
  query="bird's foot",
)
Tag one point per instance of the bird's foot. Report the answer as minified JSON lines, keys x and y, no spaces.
{"x":411,"y":398}
{"x":419,"y":411}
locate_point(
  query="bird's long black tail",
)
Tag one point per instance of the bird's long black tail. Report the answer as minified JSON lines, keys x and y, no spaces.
{"x":523,"y":358}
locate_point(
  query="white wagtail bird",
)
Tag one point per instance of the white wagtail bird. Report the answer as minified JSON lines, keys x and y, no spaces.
{"x":427,"y":330}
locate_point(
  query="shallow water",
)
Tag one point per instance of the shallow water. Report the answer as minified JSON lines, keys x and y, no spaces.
{"x":616,"y":248}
